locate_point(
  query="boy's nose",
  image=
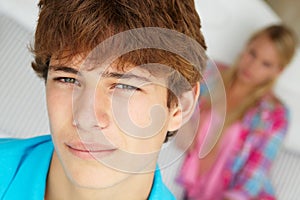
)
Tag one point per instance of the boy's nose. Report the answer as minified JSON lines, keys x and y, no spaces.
{"x":89,"y":110}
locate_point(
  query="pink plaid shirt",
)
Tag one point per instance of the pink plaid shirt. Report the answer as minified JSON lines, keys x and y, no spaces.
{"x":247,"y":151}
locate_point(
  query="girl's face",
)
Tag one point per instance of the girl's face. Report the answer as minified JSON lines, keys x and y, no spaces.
{"x":259,"y":62}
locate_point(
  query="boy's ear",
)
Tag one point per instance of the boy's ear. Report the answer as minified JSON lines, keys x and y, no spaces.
{"x":185,"y":108}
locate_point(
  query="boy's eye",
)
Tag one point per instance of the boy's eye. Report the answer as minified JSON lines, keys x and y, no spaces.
{"x":67,"y":80}
{"x":126,"y":87}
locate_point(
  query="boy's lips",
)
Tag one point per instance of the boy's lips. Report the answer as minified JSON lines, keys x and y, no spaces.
{"x":90,"y":151}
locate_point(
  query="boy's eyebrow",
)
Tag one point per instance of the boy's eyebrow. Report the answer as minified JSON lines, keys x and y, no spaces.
{"x":127,"y":75}
{"x":65,"y":69}
{"x":107,"y":74}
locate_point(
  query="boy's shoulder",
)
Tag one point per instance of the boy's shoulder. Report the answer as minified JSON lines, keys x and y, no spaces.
{"x":12,"y":149}
{"x":159,"y":189}
{"x":24,"y":164}
{"x":23,"y":142}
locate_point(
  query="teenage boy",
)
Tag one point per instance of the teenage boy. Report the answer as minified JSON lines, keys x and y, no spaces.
{"x":122,"y":76}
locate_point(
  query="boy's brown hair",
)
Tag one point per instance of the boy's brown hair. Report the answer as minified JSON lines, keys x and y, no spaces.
{"x":78,"y":26}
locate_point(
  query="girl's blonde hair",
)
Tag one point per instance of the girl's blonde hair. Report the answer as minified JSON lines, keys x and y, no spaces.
{"x":285,"y":42}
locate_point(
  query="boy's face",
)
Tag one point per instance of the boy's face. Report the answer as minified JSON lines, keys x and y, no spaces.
{"x":107,"y":123}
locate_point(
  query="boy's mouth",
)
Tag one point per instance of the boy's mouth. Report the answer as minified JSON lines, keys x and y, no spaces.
{"x":93,"y":151}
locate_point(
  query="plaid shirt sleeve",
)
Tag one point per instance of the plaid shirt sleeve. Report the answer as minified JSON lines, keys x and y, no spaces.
{"x":250,"y":169}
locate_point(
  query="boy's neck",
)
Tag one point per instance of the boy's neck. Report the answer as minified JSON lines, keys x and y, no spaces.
{"x":58,"y":186}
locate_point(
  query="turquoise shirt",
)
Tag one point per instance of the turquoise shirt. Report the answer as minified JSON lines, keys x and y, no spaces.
{"x":24,"y":165}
